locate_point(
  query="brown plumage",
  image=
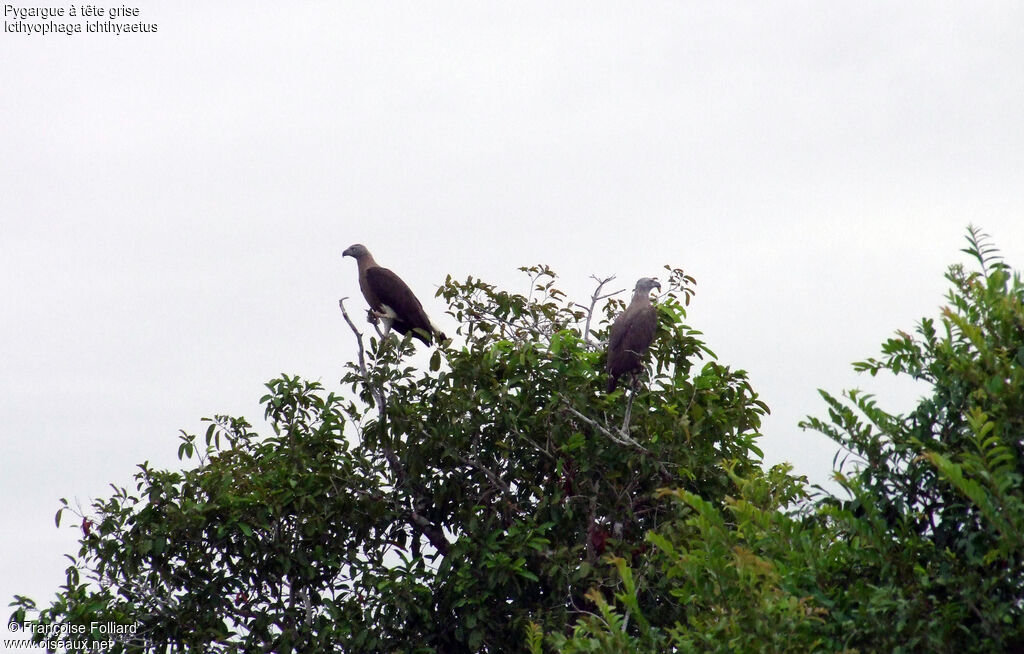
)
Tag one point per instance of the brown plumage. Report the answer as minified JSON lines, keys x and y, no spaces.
{"x":632,"y":333}
{"x":390,"y":298}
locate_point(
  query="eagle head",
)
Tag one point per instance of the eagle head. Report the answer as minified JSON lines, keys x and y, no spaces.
{"x":355,"y":251}
{"x":645,"y":284}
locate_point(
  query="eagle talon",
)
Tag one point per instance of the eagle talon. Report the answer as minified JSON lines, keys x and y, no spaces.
{"x":373,"y":316}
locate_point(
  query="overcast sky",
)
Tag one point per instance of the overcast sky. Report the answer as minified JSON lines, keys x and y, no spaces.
{"x":174,"y":205}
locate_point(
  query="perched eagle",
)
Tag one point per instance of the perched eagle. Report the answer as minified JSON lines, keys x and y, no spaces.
{"x":632,"y":333}
{"x":390,"y":298}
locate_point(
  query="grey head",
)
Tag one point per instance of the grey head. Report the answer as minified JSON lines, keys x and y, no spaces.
{"x":356,"y":251}
{"x":645,"y":284}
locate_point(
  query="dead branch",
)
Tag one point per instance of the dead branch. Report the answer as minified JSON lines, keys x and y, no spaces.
{"x":620,"y":438}
{"x":629,"y":407}
{"x":433,"y":533}
{"x":623,"y":439}
{"x":377,"y":393}
{"x":596,"y":297}
{"x":491,"y":476}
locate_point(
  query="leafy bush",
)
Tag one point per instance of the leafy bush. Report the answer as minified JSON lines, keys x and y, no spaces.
{"x":438,"y":510}
{"x":500,"y":501}
{"x":937,"y":504}
{"x":924,"y":554}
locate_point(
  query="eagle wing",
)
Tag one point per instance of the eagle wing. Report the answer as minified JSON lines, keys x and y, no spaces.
{"x":631,"y":334}
{"x":395,"y":297}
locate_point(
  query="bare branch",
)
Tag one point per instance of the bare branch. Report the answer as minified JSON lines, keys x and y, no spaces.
{"x":629,"y":407}
{"x":596,"y":297}
{"x":433,"y":533}
{"x":623,"y":439}
{"x":359,"y":335}
{"x":493,"y":478}
{"x":536,"y":446}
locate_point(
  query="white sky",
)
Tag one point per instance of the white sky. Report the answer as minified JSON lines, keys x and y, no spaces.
{"x":174,"y":205}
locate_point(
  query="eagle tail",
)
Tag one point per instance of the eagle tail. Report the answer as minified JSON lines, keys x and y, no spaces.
{"x":612,"y":383}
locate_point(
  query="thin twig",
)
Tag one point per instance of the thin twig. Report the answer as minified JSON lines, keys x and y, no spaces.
{"x":494,"y":479}
{"x":629,"y":407}
{"x":622,"y":439}
{"x":596,"y":297}
{"x":536,"y":446}
{"x":359,"y":342}
{"x":433,"y":533}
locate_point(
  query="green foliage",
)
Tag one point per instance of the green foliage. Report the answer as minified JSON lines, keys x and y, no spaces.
{"x":500,"y":501}
{"x":740,"y":581}
{"x":937,"y":501}
{"x":225,"y":554}
{"x":925,"y":554}
{"x":462,"y":508}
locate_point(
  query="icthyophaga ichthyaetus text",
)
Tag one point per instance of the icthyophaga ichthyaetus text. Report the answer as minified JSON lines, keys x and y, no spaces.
{"x":391,"y":299}
{"x":632,"y":332}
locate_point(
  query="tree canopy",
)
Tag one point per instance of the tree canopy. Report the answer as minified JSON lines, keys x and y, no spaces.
{"x":500,"y":501}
